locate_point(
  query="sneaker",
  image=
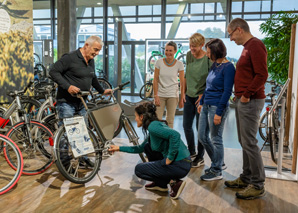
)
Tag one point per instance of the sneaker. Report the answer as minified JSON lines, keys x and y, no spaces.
{"x":197,"y":162}
{"x":207,"y":170}
{"x":250,"y":192}
{"x":176,"y":188}
{"x":192,"y":156}
{"x":211,"y":176}
{"x":238,"y":183}
{"x":224,"y":166}
{"x":86,"y":162}
{"x":153,"y":186}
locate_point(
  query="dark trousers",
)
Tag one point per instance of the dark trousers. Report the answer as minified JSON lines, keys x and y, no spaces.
{"x":189,"y":113}
{"x":158,"y":172}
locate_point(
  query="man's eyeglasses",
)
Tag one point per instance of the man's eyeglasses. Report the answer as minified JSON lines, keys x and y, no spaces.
{"x":232,"y":32}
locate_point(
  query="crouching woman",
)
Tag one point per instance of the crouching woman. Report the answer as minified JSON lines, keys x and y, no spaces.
{"x":169,"y":158}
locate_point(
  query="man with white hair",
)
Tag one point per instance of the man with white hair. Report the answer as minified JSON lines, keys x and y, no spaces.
{"x":73,"y":72}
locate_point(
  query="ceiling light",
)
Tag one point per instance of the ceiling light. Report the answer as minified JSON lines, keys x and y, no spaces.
{"x":180,"y":0}
{"x":99,"y":3}
{"x":189,"y":16}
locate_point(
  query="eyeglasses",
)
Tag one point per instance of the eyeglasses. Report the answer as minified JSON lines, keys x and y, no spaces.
{"x":232,"y":32}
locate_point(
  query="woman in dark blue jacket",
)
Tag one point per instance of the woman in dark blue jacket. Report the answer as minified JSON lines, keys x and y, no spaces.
{"x":214,"y":107}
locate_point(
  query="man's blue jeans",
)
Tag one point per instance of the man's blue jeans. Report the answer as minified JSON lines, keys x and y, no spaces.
{"x":68,"y":110}
{"x":214,"y":143}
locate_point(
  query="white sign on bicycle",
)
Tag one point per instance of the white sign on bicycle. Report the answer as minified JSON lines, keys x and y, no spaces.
{"x":78,"y":136}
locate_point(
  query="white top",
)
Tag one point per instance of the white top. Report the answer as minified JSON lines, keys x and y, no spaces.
{"x":168,"y":78}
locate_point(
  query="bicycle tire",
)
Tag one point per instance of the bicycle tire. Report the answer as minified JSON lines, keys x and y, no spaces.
{"x":31,"y":107}
{"x":37,"y":158}
{"x":10,"y":178}
{"x":105,"y":85}
{"x":146,"y":91}
{"x":152,"y":60}
{"x":119,"y":128}
{"x":263,"y":126}
{"x":69,"y":166}
{"x":273,"y":139}
{"x":51,"y":122}
{"x":132,"y":135}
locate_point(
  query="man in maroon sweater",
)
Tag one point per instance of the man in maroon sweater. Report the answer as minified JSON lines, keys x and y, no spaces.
{"x":250,"y":78}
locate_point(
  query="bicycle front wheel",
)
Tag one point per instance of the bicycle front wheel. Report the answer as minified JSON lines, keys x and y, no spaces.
{"x":37,"y":153}
{"x":273,"y":140}
{"x":263,"y":126}
{"x":78,"y":170}
{"x":146,"y":91}
{"x":9,"y":176}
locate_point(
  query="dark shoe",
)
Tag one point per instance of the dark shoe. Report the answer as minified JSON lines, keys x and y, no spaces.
{"x":250,"y":192}
{"x":176,"y":188}
{"x":153,"y":186}
{"x":224,"y":166}
{"x":197,"y":162}
{"x":209,"y":176}
{"x":193,"y":155}
{"x":238,"y":183}
{"x":85,"y":161}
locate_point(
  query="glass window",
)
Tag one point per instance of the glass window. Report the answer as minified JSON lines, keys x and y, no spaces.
{"x":196,"y":18}
{"x":41,"y":22}
{"x":129,"y":20}
{"x":98,"y":20}
{"x":255,"y":28}
{"x":186,"y":29}
{"x":221,"y":17}
{"x":285,"y":5}
{"x":266,"y":6}
{"x":145,"y":10}
{"x":98,"y":11}
{"x":172,"y":8}
{"x":209,"y":7}
{"x":252,"y":6}
{"x":145,"y":19}
{"x":236,"y":7}
{"x":41,"y":13}
{"x":252,"y":16}
{"x":128,"y":10}
{"x":219,"y":8}
{"x":197,"y":8}
{"x":86,"y":21}
{"x":87,"y":12}
{"x":157,"y":19}
{"x":170,"y":19}
{"x":265,"y":16}
{"x":209,"y":17}
{"x":143,"y":31}
{"x":156,"y":9}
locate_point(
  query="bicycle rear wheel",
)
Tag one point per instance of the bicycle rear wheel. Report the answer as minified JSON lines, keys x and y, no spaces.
{"x":78,"y":170}
{"x":152,"y":60}
{"x":8,"y":176}
{"x":146,"y":91}
{"x":37,"y":156}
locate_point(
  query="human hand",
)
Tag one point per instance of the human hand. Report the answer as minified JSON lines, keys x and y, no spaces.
{"x":108,"y":92}
{"x":200,"y":108}
{"x":168,"y":161}
{"x":156,"y":100}
{"x":244,"y":100}
{"x":73,"y":90}
{"x":197,"y":103}
{"x":217,"y":119}
{"x":113,"y":148}
{"x":181,"y":103}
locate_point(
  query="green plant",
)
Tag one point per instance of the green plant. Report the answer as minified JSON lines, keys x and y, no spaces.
{"x":277,"y":41}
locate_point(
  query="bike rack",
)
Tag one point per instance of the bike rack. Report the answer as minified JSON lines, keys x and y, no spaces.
{"x":279,"y":172}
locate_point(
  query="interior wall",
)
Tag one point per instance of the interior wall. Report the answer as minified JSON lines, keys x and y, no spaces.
{"x":16,"y":44}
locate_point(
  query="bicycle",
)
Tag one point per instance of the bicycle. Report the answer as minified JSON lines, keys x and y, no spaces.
{"x":104,"y":83}
{"x":146,"y":90}
{"x":155,"y":55}
{"x":263,"y":123}
{"x":33,"y":138}
{"x":9,"y":178}
{"x":104,"y":118}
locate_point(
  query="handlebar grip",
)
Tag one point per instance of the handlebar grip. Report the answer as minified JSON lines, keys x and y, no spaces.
{"x":124,"y":84}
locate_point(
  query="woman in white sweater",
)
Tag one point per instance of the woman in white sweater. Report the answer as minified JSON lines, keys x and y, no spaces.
{"x":166,"y":85}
